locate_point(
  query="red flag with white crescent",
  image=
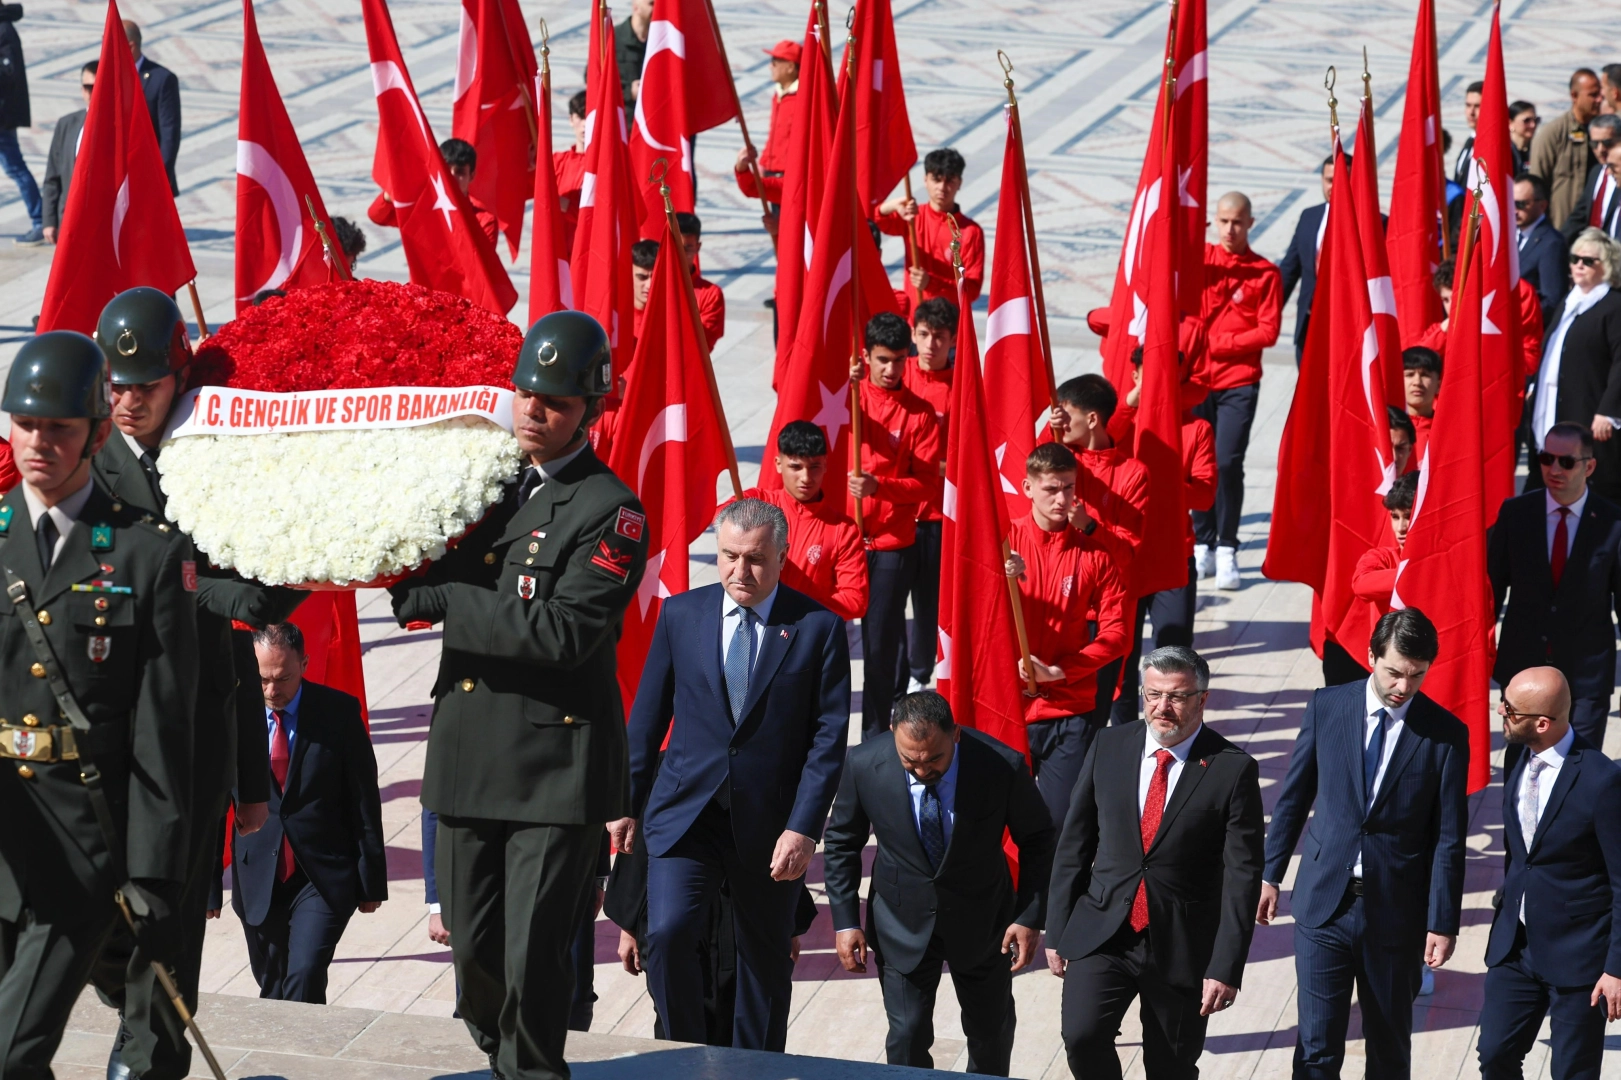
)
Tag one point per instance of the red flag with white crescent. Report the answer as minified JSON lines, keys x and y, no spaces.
{"x":495,"y":66}
{"x":1381,"y":361}
{"x":120,"y":227}
{"x":885,"y":149}
{"x":551,"y":288}
{"x":1413,"y":236}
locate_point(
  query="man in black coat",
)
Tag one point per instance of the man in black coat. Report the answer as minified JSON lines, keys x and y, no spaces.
{"x":1542,"y":247}
{"x":162,"y":92}
{"x":13,"y":115}
{"x":296,"y":882}
{"x":1155,"y":878}
{"x":53,"y":190}
{"x":1556,"y":935}
{"x":1603,"y":135}
{"x":1560,"y":603}
{"x":939,"y":797}
{"x":1299,"y":265}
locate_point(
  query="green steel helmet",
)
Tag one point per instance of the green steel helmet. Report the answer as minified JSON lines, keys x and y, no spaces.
{"x":59,"y":375}
{"x":565,"y":354}
{"x":144,"y":336}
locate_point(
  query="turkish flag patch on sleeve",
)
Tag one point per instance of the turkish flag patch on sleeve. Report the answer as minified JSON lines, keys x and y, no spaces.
{"x":629,"y":523}
{"x":615,"y":555}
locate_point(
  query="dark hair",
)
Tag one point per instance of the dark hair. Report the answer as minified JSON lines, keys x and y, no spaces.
{"x":1442,"y":278}
{"x":1179,"y":660}
{"x":1476,"y":87}
{"x":688,"y":224}
{"x":576,"y":105}
{"x":945,"y":163}
{"x":281,"y":635}
{"x":936,"y":314}
{"x":801,"y":438}
{"x":459,"y":153}
{"x":90,"y":67}
{"x":889,"y":331}
{"x":1400,"y":421}
{"x":644,"y":253}
{"x":1576,"y":75}
{"x":1567,"y":428}
{"x":1403,"y":492}
{"x":1418,"y":358}
{"x":1539,"y":186}
{"x":1519,"y":108}
{"x":1410,"y":632}
{"x":1050,"y":457}
{"x":922,"y":713}
{"x":1446,"y":140}
{"x":1328,"y":163}
{"x":266,"y":294}
{"x":349,"y":238}
{"x":1090,"y":393}
{"x":1612,"y":72}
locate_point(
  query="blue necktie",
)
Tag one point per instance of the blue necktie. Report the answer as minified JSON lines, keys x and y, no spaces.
{"x":1373,"y":755}
{"x":931,"y":825}
{"x":740,"y":663}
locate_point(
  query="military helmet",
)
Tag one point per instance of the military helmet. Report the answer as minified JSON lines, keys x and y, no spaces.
{"x":144,"y":336}
{"x":60,"y":375}
{"x":565,"y":354}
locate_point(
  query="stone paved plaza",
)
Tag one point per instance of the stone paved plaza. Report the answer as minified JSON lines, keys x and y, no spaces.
{"x":1086,"y":73}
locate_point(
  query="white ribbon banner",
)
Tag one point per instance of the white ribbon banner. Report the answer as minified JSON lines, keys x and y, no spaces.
{"x":225,"y":410}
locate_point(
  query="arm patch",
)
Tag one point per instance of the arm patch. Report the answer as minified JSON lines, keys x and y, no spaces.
{"x":615,"y":555}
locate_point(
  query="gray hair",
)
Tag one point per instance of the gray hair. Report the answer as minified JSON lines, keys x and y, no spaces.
{"x":284,"y":635}
{"x":1610,"y":121}
{"x":1607,"y":250}
{"x":1179,"y":660}
{"x":746,"y":515}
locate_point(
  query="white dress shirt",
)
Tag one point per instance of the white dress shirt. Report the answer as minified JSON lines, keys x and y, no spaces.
{"x":65,"y":513}
{"x":1553,"y":760}
{"x":1553,"y":508}
{"x":1547,"y":399}
{"x":1393,"y":730}
{"x":1145,"y":772}
{"x":731,"y":613}
{"x":547,"y":470}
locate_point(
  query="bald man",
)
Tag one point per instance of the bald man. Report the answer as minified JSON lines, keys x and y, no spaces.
{"x":1555,"y":944}
{"x":1243,"y":308}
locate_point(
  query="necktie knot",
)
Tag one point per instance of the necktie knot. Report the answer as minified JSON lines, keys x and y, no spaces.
{"x":529,"y":484}
{"x":1163,"y":759}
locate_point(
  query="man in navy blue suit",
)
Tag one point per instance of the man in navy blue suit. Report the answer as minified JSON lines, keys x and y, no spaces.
{"x":1556,"y":936}
{"x":1380,"y":885}
{"x":1542,"y":247}
{"x":162,"y":92}
{"x":1299,"y":265}
{"x":759,"y":676}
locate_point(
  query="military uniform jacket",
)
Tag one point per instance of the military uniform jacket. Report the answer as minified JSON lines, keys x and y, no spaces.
{"x":528,"y":721}
{"x":134,"y":675}
{"x":229,"y":727}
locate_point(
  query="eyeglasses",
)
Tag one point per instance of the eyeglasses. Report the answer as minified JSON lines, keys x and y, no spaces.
{"x":1565,"y":460}
{"x":87,"y":87}
{"x":1522,"y":204}
{"x":1591,"y":261}
{"x":1177,"y":698}
{"x":1604,"y":143}
{"x":1508,"y":710}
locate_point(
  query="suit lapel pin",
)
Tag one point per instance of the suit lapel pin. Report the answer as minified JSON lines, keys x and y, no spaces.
{"x":1204,"y":763}
{"x":783,"y":633}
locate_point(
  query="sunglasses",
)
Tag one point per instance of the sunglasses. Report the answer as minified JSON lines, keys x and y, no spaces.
{"x":1522,"y":204}
{"x":87,"y":87}
{"x":1565,"y":460}
{"x":1591,"y":261}
{"x":1605,"y":143}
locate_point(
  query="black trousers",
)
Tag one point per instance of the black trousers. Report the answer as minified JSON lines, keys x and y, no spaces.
{"x":919,"y":646}
{"x":46,"y":957}
{"x":1057,"y":749}
{"x":1339,"y":666}
{"x":1172,"y":611}
{"x":1231,"y":413}
{"x":1098,"y":989}
{"x":292,"y":949}
{"x":514,"y":894}
{"x":1516,"y":1002}
{"x":985,"y":993}
{"x":890,"y":576}
{"x":583,"y":953}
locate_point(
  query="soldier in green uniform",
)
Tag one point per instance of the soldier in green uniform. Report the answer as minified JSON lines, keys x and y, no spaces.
{"x":98,"y":681}
{"x":143,"y":336}
{"x":527,"y":755}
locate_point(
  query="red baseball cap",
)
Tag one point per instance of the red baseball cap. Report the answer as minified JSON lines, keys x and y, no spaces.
{"x":784,"y":50}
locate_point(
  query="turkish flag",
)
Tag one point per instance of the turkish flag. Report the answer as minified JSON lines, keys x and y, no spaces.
{"x":1502,"y":368}
{"x":495,"y":67}
{"x":803,"y":180}
{"x":445,"y":247}
{"x":885,"y":150}
{"x":1381,"y":360}
{"x":1413,"y":237}
{"x":120,"y":227}
{"x":550,"y":286}
{"x":1443,"y":567}
{"x":275,"y":246}
{"x":845,"y":286}
{"x":1180,"y":191}
{"x":977,"y":660}
{"x":331,"y":627}
{"x":1014,"y":362}
{"x":686,"y":88}
{"x":600,"y":265}
{"x":669,"y":446}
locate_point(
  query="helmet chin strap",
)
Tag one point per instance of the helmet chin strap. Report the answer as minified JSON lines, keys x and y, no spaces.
{"x":90,"y":439}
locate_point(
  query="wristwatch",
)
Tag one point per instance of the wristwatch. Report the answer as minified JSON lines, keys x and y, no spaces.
{"x":1091,"y":527}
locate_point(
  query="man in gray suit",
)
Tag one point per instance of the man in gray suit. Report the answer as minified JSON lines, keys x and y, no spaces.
{"x":64,"y":152}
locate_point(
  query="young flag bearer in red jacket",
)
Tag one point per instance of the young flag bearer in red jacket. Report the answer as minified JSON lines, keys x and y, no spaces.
{"x":934,"y":341}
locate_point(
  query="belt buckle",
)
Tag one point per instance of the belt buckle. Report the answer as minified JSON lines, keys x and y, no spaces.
{"x":28,"y":743}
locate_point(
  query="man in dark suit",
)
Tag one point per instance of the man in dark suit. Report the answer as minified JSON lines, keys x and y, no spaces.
{"x":1556,"y":936}
{"x":1155,"y":875}
{"x":162,"y":92}
{"x":64,"y":152}
{"x":296,"y":882}
{"x":1542,"y":247}
{"x":1380,"y":885}
{"x":1555,"y":554}
{"x":1299,"y":265}
{"x":1465,"y":159}
{"x":939,"y":797}
{"x":759,"y":676}
{"x":1600,"y":202}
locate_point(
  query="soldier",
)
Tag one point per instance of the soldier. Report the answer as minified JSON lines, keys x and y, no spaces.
{"x":527,"y":757}
{"x":143,"y":336}
{"x":98,"y":679}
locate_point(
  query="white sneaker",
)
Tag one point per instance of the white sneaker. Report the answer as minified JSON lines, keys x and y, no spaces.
{"x":1204,"y":561}
{"x":914,"y":687}
{"x":1426,"y":984}
{"x":1227,"y":568}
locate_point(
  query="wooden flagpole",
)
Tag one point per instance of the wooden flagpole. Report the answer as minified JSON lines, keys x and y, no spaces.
{"x":1038,"y":289}
{"x":857,"y":222}
{"x":737,"y":103}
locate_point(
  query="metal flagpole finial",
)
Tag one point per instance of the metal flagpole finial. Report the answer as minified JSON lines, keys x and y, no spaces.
{"x":659,"y":174}
{"x":1007,"y":77}
{"x":545,"y":43}
{"x":1329,"y":80}
{"x":956,"y":244}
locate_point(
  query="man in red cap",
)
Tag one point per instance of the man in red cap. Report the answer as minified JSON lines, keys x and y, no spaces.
{"x":773,"y":157}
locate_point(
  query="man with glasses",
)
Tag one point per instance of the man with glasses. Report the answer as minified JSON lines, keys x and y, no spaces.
{"x":64,"y":152}
{"x":1522,"y":128}
{"x":1555,"y":554}
{"x":1599,"y":207}
{"x":1542,"y":247}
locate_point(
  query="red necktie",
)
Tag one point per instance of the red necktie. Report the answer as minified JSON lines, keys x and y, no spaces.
{"x":281,"y":757}
{"x":1561,"y":547}
{"x":1595,"y":216}
{"x":1153,"y":810}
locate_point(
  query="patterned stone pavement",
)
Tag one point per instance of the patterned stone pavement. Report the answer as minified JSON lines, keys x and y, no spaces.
{"x":1086,"y":75}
